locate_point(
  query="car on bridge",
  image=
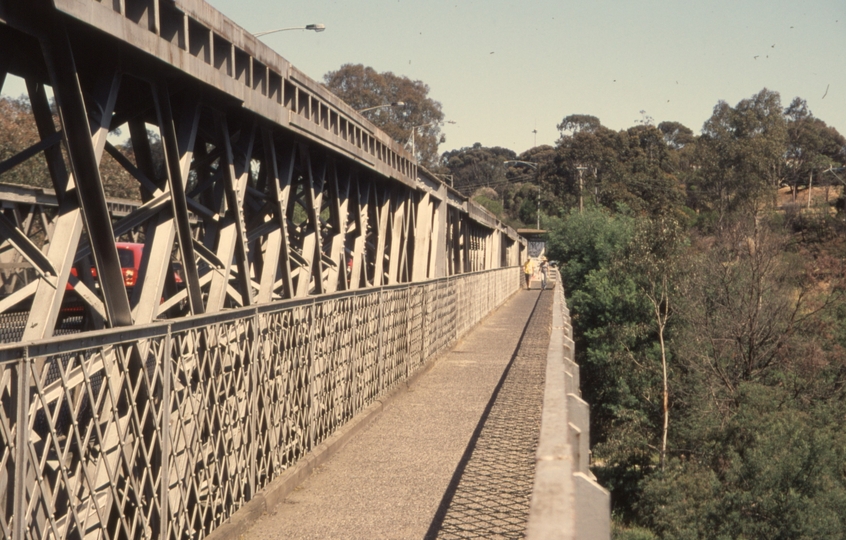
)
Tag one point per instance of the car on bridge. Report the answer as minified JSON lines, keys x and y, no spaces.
{"x":129,"y":254}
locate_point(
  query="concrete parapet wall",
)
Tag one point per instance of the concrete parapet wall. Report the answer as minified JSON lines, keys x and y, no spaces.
{"x":578,"y":415}
{"x":567,"y":502}
{"x":592,"y":507}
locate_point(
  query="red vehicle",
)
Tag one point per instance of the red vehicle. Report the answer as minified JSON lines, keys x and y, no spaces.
{"x":129,"y":254}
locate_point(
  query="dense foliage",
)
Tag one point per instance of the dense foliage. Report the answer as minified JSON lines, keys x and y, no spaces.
{"x":420,"y":117}
{"x":18,"y":132}
{"x":708,"y":313}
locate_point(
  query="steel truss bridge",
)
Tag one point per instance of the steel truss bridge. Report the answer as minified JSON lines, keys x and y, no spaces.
{"x":320,"y":266}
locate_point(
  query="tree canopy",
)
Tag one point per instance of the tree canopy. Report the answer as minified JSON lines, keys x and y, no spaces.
{"x":363,"y":87}
{"x":18,"y":132}
{"x":709,"y":318}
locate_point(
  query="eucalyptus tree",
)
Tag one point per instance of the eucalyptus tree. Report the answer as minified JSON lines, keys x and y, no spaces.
{"x":812,"y":147}
{"x":362,"y":87}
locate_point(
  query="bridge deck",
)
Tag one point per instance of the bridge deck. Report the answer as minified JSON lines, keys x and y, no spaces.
{"x":451,"y":456}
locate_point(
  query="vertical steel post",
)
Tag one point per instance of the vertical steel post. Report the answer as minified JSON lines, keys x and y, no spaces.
{"x":164,"y":473}
{"x":22,"y":372}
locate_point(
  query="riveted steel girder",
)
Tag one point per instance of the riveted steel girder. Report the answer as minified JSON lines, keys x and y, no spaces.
{"x":234,"y":204}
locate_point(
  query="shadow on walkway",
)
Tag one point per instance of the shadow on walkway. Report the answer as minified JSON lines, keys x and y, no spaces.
{"x":490,"y":490}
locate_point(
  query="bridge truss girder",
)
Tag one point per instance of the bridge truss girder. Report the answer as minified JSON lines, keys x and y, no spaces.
{"x":128,"y":432}
{"x":252,"y":211}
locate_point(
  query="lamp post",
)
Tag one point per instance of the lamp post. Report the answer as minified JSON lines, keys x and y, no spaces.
{"x":414,"y":130}
{"x":394,"y":104}
{"x":533,"y":165}
{"x":316,"y":27}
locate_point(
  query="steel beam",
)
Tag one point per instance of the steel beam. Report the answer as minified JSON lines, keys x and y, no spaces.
{"x":358,"y":274}
{"x":282,"y":202}
{"x":276,"y":256}
{"x":85,"y":142}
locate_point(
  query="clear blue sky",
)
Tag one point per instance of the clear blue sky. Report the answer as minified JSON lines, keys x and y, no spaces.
{"x":502,"y":68}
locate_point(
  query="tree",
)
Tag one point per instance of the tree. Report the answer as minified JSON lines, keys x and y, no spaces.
{"x":632,"y":167}
{"x":751,"y":312}
{"x":812,"y":147}
{"x":362,"y":87}
{"x":741,"y":155}
{"x":477,"y":166}
{"x":654,"y":259}
{"x":18,"y":132}
{"x":515,"y":184}
{"x":576,"y":123}
{"x":676,"y":135}
{"x":773,"y":470}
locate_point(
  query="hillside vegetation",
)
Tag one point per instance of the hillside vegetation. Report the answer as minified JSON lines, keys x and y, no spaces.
{"x":705,"y":278}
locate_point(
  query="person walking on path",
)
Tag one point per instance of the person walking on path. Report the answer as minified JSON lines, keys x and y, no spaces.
{"x":544,"y":270}
{"x":528,"y":270}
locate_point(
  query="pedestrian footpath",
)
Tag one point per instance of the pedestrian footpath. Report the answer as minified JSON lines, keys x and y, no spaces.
{"x":451,"y":456}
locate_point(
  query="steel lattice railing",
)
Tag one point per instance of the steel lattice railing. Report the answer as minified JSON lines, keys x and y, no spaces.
{"x":165,"y":430}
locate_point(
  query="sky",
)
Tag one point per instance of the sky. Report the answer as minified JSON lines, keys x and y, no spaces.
{"x":502,"y":69}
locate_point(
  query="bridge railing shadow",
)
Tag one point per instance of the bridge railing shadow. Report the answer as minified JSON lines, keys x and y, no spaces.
{"x":165,"y":430}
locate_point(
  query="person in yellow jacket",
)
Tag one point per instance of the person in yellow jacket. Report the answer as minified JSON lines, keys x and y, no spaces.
{"x":528,"y":270}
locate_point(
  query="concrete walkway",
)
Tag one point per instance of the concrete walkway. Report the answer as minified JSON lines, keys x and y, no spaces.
{"x":451,"y":456}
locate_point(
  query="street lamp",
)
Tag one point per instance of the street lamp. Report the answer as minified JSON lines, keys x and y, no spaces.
{"x":394,"y":104}
{"x":533,"y":165}
{"x":316,"y":27}
{"x":414,"y":130}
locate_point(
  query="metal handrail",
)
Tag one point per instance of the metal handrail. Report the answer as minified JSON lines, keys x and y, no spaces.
{"x":165,"y":430}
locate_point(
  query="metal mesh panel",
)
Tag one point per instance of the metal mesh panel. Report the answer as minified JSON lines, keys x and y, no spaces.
{"x":8,"y":446}
{"x":395,"y":317}
{"x":92,"y":451}
{"x":366,"y":372}
{"x":167,"y":431}
{"x":416,"y":306}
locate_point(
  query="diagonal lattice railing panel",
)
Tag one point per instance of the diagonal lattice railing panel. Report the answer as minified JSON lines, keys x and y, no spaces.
{"x":91,"y":462}
{"x":366,"y":370}
{"x":416,"y":310}
{"x":165,"y":430}
{"x":395,"y":316}
{"x":8,"y":435}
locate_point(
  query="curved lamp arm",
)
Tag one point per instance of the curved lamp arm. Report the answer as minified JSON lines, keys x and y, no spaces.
{"x":315,"y":27}
{"x":395,"y":104}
